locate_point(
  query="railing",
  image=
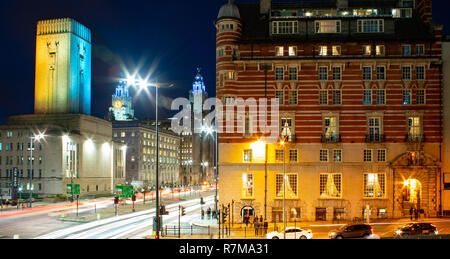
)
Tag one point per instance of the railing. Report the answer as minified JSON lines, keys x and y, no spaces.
{"x":375,"y":138}
{"x":331,"y":139}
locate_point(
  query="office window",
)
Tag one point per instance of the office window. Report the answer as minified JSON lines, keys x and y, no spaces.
{"x":323,"y":97}
{"x":279,"y":95}
{"x":375,"y":129}
{"x":324,"y":155}
{"x":381,"y":73}
{"x":367,"y":50}
{"x":248,"y":155}
{"x":328,"y":26}
{"x":279,"y":73}
{"x":330,"y":185}
{"x":381,"y":155}
{"x":336,"y":50}
{"x":414,"y":127}
{"x":337,"y":155}
{"x":368,"y":155}
{"x":330,"y":128}
{"x":367,"y":97}
{"x":279,"y":155}
{"x":247,"y":185}
{"x":293,"y":73}
{"x":285,"y":27}
{"x":379,"y":50}
{"x":406,"y":73}
{"x":337,"y":97}
{"x":290,"y":185}
{"x":370,"y":26}
{"x":323,"y":50}
{"x":406,"y":97}
{"x":292,"y":51}
{"x":406,"y":50}
{"x":374,"y":185}
{"x":420,"y":73}
{"x":420,"y":96}
{"x":279,"y":51}
{"x":420,"y":50}
{"x":293,"y":155}
{"x":381,"y":97}
{"x":367,"y":73}
{"x":323,"y":73}
{"x":337,"y":73}
{"x":293,"y":97}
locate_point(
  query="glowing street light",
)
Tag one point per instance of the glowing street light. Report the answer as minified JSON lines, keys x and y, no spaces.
{"x":33,"y":139}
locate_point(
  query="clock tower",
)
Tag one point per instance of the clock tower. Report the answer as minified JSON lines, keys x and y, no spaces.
{"x":122,"y":104}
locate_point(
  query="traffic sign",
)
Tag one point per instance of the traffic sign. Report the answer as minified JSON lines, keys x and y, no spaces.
{"x":126,"y":191}
{"x":73,"y":189}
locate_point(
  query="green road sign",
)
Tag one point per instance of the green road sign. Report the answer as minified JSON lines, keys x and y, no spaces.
{"x":124,"y":191}
{"x":73,"y":189}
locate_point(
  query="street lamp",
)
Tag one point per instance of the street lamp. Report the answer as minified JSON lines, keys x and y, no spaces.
{"x":143,"y":83}
{"x":282,"y":143}
{"x":32,"y":140}
{"x":209,"y":131}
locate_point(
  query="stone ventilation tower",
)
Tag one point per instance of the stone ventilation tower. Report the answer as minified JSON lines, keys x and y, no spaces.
{"x":229,"y":31}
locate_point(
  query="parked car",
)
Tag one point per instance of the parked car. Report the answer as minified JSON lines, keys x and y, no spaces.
{"x":352,"y":231}
{"x":291,"y":233}
{"x":414,"y":229}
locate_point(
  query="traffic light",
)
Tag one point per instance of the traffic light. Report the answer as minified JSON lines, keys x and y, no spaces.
{"x":163,"y":211}
{"x":116,"y":200}
{"x":183,"y":212}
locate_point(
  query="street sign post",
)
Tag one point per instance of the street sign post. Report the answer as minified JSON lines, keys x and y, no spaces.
{"x":74,"y":189}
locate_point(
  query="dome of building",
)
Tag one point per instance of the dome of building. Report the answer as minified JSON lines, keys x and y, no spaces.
{"x":229,"y":10}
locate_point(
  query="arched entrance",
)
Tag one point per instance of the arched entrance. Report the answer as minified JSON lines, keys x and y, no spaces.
{"x":411,"y":194}
{"x":246,"y":213}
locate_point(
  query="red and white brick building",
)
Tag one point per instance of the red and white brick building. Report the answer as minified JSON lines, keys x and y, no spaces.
{"x":359,"y":88}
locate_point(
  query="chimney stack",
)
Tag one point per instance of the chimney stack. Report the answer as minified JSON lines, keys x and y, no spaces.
{"x":265,"y":6}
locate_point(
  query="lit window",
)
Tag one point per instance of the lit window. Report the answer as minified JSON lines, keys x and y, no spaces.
{"x":406,"y":97}
{"x":331,"y":185}
{"x":367,"y":50}
{"x":414,"y":127}
{"x":379,"y":50}
{"x":328,"y":26}
{"x":336,"y":50}
{"x":248,"y":155}
{"x":247,"y":185}
{"x":279,"y":155}
{"x":323,"y":50}
{"x":287,"y":129}
{"x":279,"y":51}
{"x":231,"y":75}
{"x":292,"y":51}
{"x":374,"y":185}
{"x":337,"y":155}
{"x":330,"y":129}
{"x":290,"y":185}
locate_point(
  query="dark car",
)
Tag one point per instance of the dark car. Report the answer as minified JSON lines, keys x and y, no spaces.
{"x":352,"y":231}
{"x":415,"y":229}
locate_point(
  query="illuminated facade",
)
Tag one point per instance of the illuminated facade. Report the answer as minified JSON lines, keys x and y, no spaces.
{"x":63,"y":67}
{"x":122,"y":104}
{"x":359,"y":89}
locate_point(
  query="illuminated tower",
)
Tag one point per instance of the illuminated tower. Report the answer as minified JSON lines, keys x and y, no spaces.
{"x":63,"y":67}
{"x":122,"y":104}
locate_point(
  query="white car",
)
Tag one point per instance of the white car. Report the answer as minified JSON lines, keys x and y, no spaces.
{"x":291,"y":233}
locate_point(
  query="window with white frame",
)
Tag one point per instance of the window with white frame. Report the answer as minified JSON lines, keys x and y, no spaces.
{"x":287,"y":129}
{"x":285,"y":27}
{"x":330,"y":185}
{"x":279,"y":51}
{"x":247,"y":185}
{"x":367,"y":50}
{"x":337,"y":97}
{"x":293,"y":73}
{"x":323,"y":97}
{"x":337,"y":155}
{"x":330,"y":128}
{"x":367,"y":73}
{"x":370,"y":26}
{"x":420,"y":96}
{"x":374,"y":185}
{"x":375,"y":129}
{"x":420,"y":72}
{"x":367,"y":155}
{"x":279,"y":155}
{"x":328,"y":26}
{"x":336,"y":50}
{"x":381,"y":73}
{"x":379,"y":50}
{"x":406,"y":73}
{"x":323,"y":73}
{"x":406,"y":97}
{"x":292,"y":51}
{"x":323,"y":50}
{"x":414,"y":127}
{"x":381,"y":97}
{"x":279,"y":73}
{"x":381,"y":155}
{"x":420,"y":50}
{"x":293,"y":97}
{"x":324,"y":155}
{"x":289,"y":189}
{"x":367,"y":97}
{"x":337,"y":73}
{"x":279,"y":96}
{"x":293,"y":155}
{"x":248,"y":155}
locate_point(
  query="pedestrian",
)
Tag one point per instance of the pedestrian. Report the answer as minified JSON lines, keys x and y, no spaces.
{"x":203,"y":214}
{"x":411,"y":210}
{"x":266,"y":226}
{"x":416,"y":214}
{"x":256,"y":224}
{"x":208,"y":212}
{"x":261,"y":220}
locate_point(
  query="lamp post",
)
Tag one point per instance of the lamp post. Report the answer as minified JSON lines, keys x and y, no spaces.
{"x":142,"y":83}
{"x":32,"y":140}
{"x":284,"y":187}
{"x":209,"y":131}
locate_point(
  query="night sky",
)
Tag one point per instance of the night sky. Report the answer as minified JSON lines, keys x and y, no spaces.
{"x":171,"y":36}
